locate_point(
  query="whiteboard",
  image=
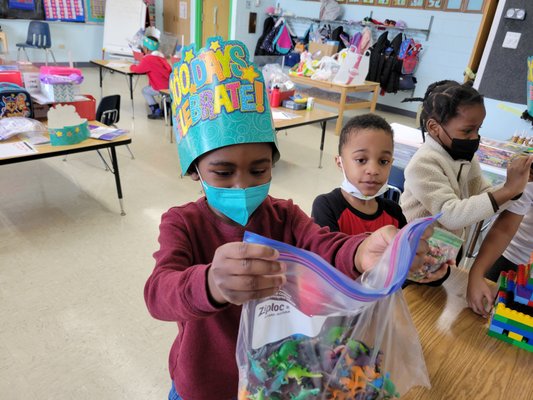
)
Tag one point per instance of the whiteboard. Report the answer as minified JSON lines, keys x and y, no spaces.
{"x":123,"y":19}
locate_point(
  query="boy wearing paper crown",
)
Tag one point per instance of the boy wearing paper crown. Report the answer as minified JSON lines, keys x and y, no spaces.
{"x":204,"y":271}
{"x":158,"y":70}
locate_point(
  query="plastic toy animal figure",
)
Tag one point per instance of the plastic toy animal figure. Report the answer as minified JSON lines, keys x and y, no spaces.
{"x":356,"y":383}
{"x":385,"y":387}
{"x":280,"y":358}
{"x":275,"y":385}
{"x":257,"y":370}
{"x":259,"y":395}
{"x":305,"y":393}
{"x":298,"y":372}
{"x":337,"y":394}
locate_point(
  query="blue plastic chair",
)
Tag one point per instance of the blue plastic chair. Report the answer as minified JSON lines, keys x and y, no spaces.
{"x":38,"y":38}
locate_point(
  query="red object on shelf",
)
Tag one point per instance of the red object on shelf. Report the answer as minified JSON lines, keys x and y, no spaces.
{"x":12,"y":77}
{"x":281,"y":95}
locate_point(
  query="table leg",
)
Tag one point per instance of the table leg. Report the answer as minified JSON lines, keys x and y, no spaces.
{"x":114,"y":160}
{"x":101,"y":81}
{"x":323,"y":124}
{"x":338,"y":126}
{"x":374,"y":99}
{"x":165,"y":112}
{"x":131,"y":97}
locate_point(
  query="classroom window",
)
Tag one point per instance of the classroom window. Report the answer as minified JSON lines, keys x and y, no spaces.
{"x":383,"y":3}
{"x":474,"y":5}
{"x":454,"y":5}
{"x":399,"y":3}
{"x":416,"y":4}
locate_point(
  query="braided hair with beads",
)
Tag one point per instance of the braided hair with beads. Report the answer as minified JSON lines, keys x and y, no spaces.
{"x":442,"y":100}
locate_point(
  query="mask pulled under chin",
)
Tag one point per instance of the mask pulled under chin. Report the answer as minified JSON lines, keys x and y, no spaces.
{"x":348,"y":187}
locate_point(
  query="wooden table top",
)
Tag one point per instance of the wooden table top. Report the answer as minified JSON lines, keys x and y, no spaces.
{"x":123,"y":70}
{"x":462,"y":360}
{"x":305,"y":117}
{"x":304,"y":80}
{"x":47,"y":150}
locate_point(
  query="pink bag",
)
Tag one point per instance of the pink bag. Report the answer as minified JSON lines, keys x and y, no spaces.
{"x":283,"y":41}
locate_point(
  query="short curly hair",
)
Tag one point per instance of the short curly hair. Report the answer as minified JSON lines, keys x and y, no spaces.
{"x":365,"y":121}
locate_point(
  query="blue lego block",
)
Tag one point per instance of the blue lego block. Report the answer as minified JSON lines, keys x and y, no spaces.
{"x":512,"y":328}
{"x":496,"y":329}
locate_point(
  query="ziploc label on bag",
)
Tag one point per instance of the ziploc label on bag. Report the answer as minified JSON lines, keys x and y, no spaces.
{"x":277,"y":317}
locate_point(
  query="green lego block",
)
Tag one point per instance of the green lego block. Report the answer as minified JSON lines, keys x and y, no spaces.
{"x":512,"y":322}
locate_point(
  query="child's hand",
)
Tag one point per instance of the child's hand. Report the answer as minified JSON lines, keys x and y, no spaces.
{"x":479,"y":296}
{"x":243,"y":271}
{"x":371,"y":249}
{"x":518,"y":171}
{"x":438,"y":274}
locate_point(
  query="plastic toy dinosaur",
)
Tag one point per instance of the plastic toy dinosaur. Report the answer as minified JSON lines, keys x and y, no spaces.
{"x":280,"y":358}
{"x":305,"y":393}
{"x":259,"y":395}
{"x":298,"y":372}
{"x":257,"y":369}
{"x":279,"y":380}
{"x":337,"y":394}
{"x":357,"y":381}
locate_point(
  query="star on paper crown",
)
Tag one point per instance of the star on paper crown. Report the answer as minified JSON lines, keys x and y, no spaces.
{"x":218,"y":99}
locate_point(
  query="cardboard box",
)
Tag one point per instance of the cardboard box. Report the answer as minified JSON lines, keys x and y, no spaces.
{"x":324,"y":48}
{"x":58,"y":92}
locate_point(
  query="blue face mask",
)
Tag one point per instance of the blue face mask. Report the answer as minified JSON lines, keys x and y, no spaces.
{"x":236,"y":204}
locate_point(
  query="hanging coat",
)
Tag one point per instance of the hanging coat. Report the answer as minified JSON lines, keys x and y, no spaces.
{"x":377,"y":58}
{"x":392,"y":66}
{"x":268,"y":26}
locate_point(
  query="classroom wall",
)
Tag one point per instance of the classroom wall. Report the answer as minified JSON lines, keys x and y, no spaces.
{"x":83,"y":41}
{"x":239,"y":23}
{"x":446,"y":53}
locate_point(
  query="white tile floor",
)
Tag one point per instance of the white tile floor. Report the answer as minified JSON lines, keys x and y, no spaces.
{"x":72,"y":270}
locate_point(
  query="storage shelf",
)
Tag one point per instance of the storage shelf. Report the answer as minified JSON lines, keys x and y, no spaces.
{"x":359,"y":24}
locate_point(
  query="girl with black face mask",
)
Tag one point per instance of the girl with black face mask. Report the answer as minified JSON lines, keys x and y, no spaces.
{"x":444,"y":175}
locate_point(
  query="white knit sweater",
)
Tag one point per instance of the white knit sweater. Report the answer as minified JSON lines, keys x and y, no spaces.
{"x":435,"y":182}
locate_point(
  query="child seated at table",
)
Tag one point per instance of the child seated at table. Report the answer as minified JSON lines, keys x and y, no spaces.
{"x":508,"y":243}
{"x":204,"y":271}
{"x":443,"y":175}
{"x":155,"y":65}
{"x":366,"y":148}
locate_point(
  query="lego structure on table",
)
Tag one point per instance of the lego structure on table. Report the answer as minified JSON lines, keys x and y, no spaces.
{"x":512,"y":317}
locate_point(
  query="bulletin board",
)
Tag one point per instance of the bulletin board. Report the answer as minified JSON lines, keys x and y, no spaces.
{"x":123,"y":19}
{"x":64,"y":10}
{"x":94,"y":10}
{"x":21,"y":9}
{"x":503,"y":73}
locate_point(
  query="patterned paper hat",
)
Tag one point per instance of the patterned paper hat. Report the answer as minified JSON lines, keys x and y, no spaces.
{"x":218,"y":99}
{"x":150,"y":43}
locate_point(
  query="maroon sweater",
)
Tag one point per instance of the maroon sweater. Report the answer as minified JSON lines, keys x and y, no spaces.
{"x":202,"y":359}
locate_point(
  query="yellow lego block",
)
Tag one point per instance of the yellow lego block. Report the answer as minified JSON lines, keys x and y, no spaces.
{"x":515,"y":336}
{"x":513,"y":315}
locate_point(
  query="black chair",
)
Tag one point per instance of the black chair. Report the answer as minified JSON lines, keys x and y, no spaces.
{"x":396,"y":182}
{"x":38,"y":38}
{"x":108,"y":113}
